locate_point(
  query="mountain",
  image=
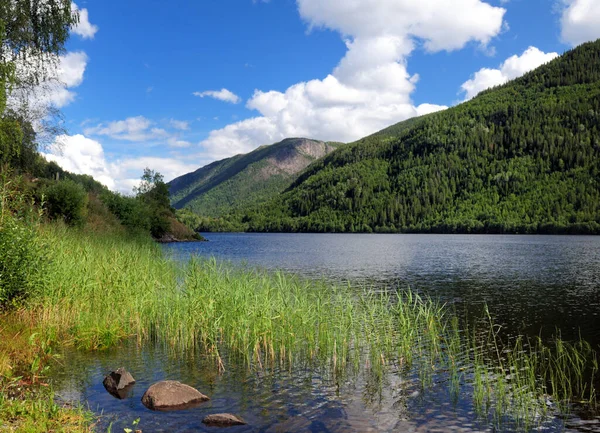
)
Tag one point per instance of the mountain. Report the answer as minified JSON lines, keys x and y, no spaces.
{"x":519,"y":158}
{"x":242,"y":180}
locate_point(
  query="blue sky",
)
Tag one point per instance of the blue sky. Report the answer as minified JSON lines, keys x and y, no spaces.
{"x":176,"y":85}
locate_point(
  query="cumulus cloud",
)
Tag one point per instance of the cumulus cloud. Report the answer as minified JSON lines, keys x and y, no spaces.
{"x":127,"y":171}
{"x":241,"y":137}
{"x":134,"y":129}
{"x":512,"y":68}
{"x":71,"y":68}
{"x":84,"y":28}
{"x":580,"y":21}
{"x":371,"y":87}
{"x":65,"y":73}
{"x":441,"y":24}
{"x":424,"y":109}
{"x":82,"y":155}
{"x":222,"y":95}
{"x":37,"y":100}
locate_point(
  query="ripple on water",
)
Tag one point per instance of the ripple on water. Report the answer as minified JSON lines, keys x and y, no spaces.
{"x":270,"y":401}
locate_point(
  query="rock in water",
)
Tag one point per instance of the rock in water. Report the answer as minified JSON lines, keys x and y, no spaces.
{"x":118,"y":383}
{"x":223,"y":420}
{"x":172,"y":395}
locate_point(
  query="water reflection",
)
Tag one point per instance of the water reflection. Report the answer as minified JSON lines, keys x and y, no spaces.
{"x":531,"y":284}
{"x":307,"y":400}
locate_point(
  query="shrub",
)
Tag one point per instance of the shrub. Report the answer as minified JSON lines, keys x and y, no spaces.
{"x":67,"y":200}
{"x":21,"y":261}
{"x":131,"y":212}
{"x":160,"y":223}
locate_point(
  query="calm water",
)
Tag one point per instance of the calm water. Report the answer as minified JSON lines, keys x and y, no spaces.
{"x":532,"y":284}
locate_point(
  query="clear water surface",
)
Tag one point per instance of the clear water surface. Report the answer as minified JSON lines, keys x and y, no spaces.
{"x":532,"y":285}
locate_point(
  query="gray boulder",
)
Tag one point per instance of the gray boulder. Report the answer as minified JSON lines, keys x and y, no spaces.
{"x":119,"y":383}
{"x":172,"y":395}
{"x":223,"y":420}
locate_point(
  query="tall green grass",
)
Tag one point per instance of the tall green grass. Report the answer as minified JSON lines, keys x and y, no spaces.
{"x":101,"y":289}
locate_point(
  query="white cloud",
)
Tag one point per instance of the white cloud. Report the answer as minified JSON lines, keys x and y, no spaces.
{"x":84,"y":28}
{"x":441,"y":24}
{"x":71,"y":68}
{"x":81,"y":155}
{"x":182,"y":125}
{"x":141,"y":129}
{"x":512,"y":68}
{"x":37,"y":96}
{"x":222,"y":95}
{"x":241,"y":137}
{"x":580,"y":21}
{"x":175,"y":142}
{"x":63,"y":74}
{"x":424,"y":109}
{"x":127,"y":171}
{"x":371,"y":87}
{"x":134,"y":129}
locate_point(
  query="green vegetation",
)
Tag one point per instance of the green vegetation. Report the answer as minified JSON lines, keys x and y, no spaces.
{"x":32,"y":409}
{"x":275,"y":320}
{"x":26,"y":402}
{"x":524,"y":373}
{"x":21,"y":253}
{"x":244,"y":180}
{"x":262,"y":320}
{"x":67,"y":200}
{"x":520,"y":158}
{"x":70,"y":250}
{"x":33,"y":33}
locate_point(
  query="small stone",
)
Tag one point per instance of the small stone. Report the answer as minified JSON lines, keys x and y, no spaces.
{"x":172,"y":395}
{"x":118,"y":383}
{"x":223,"y":420}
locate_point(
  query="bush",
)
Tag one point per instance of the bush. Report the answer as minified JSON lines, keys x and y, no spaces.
{"x":159,"y":222}
{"x":21,"y":261}
{"x":131,"y":212}
{"x":67,"y":200}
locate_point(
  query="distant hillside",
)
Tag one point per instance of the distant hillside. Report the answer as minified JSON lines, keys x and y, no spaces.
{"x":522,"y":157}
{"x":242,"y":180}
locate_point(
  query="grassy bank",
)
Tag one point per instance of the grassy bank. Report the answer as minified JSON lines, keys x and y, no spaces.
{"x":26,"y":400}
{"x":102,"y":288}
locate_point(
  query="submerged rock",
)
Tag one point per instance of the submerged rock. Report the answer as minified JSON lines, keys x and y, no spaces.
{"x":119,"y":383}
{"x":172,"y":395}
{"x":223,"y":420}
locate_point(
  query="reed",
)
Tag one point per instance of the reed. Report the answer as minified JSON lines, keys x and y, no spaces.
{"x":102,"y":289}
{"x":524,"y":382}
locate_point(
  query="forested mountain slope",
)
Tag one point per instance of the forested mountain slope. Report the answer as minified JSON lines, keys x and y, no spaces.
{"x":522,"y":157}
{"x":242,"y":180}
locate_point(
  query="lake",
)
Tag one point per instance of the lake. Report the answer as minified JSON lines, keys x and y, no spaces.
{"x":532,"y":285}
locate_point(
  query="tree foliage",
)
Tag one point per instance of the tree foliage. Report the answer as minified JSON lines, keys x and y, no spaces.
{"x":154,"y":193}
{"x":523,"y":157}
{"x":33,"y":35}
